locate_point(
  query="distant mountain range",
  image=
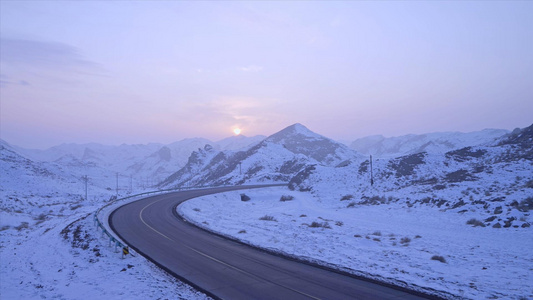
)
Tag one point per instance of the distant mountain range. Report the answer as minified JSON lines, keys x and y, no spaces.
{"x":491,"y":168}
{"x":155,"y":161}
{"x":151,"y":164}
{"x":494,"y":180}
{"x":275,"y":159}
{"x":440,"y":142}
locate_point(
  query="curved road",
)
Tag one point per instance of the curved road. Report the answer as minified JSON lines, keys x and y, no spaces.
{"x":227,"y":269}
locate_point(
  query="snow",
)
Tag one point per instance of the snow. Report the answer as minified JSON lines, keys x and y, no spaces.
{"x":437,"y":142}
{"x":42,"y":194}
{"x":42,"y":206}
{"x":239,"y":142}
{"x":40,"y":263}
{"x":481,"y":263}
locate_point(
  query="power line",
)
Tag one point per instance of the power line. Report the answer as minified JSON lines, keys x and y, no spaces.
{"x":85,"y":179}
{"x":371,"y":172}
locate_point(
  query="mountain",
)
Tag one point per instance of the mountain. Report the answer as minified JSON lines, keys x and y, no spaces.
{"x":495,"y":180}
{"x":238,"y":142}
{"x":441,"y":142}
{"x":275,"y":159}
{"x":300,"y":140}
{"x":148,"y":163}
{"x":31,"y":186}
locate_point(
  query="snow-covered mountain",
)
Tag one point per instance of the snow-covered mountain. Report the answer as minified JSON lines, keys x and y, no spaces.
{"x":439,"y":142}
{"x":275,"y":159}
{"x":491,"y":185}
{"x":38,"y":187}
{"x":494,"y":180}
{"x":238,"y":142}
{"x":146,"y":164}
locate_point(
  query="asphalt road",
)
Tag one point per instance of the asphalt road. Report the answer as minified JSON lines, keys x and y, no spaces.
{"x":227,"y":269}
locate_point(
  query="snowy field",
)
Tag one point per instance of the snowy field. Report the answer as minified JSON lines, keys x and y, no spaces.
{"x":66,"y":258}
{"x":424,"y":248}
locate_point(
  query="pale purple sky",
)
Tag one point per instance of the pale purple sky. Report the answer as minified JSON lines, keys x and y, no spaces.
{"x":117,"y":72}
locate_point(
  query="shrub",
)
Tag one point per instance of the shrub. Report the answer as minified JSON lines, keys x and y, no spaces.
{"x":418,"y":237}
{"x":74,"y":207}
{"x":41,"y":217}
{"x":377,"y":233}
{"x":196,"y":209}
{"x":319,"y":225}
{"x":475,"y":222}
{"x":490,"y":219}
{"x":346,"y":197}
{"x":286,"y":198}
{"x":244,"y":197}
{"x":438,"y":258}
{"x":405,"y":241}
{"x":357,"y":235}
{"x":22,"y":225}
{"x":351,"y":204}
{"x":303,"y":216}
{"x":439,"y":187}
{"x":529,"y":184}
{"x":525,"y":205}
{"x":242,"y":231}
{"x":267,"y":218}
{"x":339,"y":223}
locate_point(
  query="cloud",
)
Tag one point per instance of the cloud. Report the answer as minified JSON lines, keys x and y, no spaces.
{"x":5,"y":81}
{"x":43,"y":54}
{"x":251,"y":68}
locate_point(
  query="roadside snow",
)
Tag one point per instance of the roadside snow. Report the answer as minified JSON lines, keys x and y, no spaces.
{"x":389,"y":242}
{"x":65,"y":257}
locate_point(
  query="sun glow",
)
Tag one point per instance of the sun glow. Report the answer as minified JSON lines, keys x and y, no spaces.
{"x":237,"y":131}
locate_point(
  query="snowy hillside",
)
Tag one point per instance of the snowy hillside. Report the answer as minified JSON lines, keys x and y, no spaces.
{"x":275,"y":159}
{"x":469,"y":207}
{"x":440,"y":142}
{"x":39,"y":187}
{"x":456,"y":225}
{"x":495,"y":181}
{"x":148,"y":164}
{"x":49,"y":246}
{"x":238,"y":142}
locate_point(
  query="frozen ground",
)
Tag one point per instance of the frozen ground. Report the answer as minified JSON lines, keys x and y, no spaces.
{"x":66,"y":258}
{"x":388,"y":242}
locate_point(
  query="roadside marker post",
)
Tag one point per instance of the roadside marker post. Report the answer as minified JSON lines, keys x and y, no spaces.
{"x":125,"y":251}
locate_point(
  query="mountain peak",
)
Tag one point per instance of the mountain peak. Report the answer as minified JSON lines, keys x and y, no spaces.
{"x":292,"y":131}
{"x":300,"y":140}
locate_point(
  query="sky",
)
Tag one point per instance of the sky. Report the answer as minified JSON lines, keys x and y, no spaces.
{"x":116,"y":72}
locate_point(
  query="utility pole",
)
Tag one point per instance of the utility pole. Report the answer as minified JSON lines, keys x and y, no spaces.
{"x":117,"y":185}
{"x":131,"y":183}
{"x":240,"y":168}
{"x":85,"y":179}
{"x":371,"y":172}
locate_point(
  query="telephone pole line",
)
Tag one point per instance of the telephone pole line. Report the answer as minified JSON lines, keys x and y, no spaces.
{"x":371,"y":172}
{"x":85,"y":179}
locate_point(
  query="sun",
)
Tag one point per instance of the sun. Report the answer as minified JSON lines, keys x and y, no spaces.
{"x":237,"y":131}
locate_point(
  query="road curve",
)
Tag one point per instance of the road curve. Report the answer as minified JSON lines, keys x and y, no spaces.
{"x":226,"y":269}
